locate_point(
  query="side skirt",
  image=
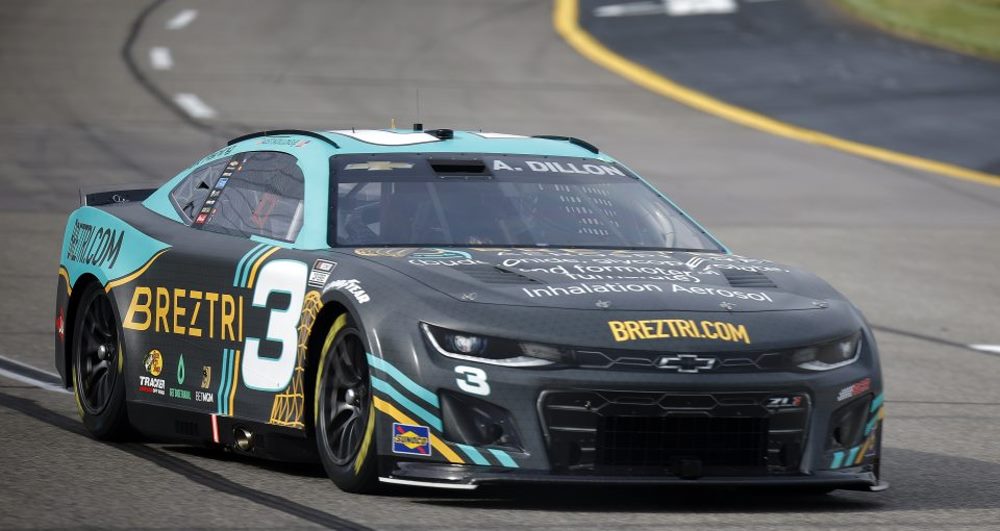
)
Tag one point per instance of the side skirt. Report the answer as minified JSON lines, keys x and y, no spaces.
{"x":171,"y":425}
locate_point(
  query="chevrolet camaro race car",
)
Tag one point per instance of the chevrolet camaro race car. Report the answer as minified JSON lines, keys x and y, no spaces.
{"x":451,"y":309}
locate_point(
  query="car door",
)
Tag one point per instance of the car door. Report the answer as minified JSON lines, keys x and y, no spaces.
{"x":214,"y":320}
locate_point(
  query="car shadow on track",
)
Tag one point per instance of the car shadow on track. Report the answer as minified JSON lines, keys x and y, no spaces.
{"x":920,"y":481}
{"x":306,"y":470}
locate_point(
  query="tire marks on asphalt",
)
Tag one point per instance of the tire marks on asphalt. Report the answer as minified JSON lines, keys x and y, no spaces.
{"x":179,"y":466}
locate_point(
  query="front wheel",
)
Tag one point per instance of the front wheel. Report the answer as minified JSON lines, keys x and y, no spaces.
{"x":98,"y":366}
{"x":344,"y":414}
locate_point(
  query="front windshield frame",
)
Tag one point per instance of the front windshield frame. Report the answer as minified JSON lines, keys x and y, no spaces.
{"x":710,"y":243}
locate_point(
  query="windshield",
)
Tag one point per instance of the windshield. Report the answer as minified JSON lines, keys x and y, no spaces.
{"x":501,"y":200}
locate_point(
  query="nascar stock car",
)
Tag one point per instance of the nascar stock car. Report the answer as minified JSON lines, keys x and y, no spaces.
{"x":451,"y":309}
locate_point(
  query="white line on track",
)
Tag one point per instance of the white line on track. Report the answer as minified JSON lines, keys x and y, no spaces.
{"x":160,"y":57}
{"x":182,"y":19}
{"x":630,"y":9}
{"x":193,"y":105}
{"x":987,"y":348}
{"x":29,"y":380}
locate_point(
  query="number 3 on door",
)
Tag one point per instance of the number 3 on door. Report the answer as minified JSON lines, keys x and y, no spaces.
{"x":274,"y":374}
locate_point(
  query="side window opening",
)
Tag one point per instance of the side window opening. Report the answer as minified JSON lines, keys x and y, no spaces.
{"x":260,"y":193}
{"x":189,"y":195}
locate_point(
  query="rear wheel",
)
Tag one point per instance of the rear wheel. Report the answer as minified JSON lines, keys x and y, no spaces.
{"x":98,"y":363}
{"x":344,"y":414}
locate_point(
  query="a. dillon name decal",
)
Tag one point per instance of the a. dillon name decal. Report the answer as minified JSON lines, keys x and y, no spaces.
{"x":193,"y":313}
{"x":94,"y":245}
{"x":678,"y":328}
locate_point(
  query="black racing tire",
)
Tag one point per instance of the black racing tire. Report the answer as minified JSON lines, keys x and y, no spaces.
{"x":344,"y":411}
{"x":98,"y":366}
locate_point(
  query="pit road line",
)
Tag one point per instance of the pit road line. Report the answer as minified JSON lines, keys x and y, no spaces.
{"x":182,"y":19}
{"x":160,"y":58}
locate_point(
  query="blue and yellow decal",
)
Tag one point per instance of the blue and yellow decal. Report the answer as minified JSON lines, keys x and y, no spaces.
{"x":409,"y":404}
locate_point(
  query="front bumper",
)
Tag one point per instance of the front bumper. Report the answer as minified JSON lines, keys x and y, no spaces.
{"x":587,"y":426}
{"x":462,"y":477}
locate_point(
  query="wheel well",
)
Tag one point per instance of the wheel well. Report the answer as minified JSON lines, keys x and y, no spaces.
{"x":81,"y":285}
{"x":314,"y":346}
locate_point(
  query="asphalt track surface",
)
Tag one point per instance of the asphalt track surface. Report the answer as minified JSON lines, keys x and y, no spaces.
{"x":808,"y":63}
{"x":917,"y":252}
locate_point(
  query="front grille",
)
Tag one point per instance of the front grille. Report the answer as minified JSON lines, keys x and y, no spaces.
{"x":663,"y":442}
{"x":674,"y":433}
{"x":639,"y":360}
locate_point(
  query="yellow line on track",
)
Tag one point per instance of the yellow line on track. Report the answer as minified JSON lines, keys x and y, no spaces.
{"x":565,"y":19}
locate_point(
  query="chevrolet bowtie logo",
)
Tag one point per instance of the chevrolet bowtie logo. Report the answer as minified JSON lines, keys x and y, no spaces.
{"x":686,"y":363}
{"x":379,"y":165}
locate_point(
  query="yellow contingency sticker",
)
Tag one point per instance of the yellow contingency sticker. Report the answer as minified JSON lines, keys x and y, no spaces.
{"x":678,"y":328}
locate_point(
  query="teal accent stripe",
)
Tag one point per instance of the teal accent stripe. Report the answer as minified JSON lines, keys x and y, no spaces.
{"x":240,"y":269}
{"x":877,"y":403}
{"x":838,"y":459}
{"x":227,"y":370}
{"x":239,"y":265}
{"x":427,"y":416}
{"x":504,"y":458}
{"x":247,"y":267}
{"x":851,"y":456}
{"x":222,"y":382}
{"x":473,"y":454}
{"x":404,"y":380}
{"x":871,"y":425}
{"x":227,"y":360}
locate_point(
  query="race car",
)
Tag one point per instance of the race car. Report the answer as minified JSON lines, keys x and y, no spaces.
{"x":453,"y":309}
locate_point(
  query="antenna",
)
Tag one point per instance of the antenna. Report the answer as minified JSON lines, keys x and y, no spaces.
{"x":418,"y":105}
{"x":392,"y":123}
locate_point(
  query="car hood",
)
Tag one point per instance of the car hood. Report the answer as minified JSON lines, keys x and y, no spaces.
{"x":608,"y":279}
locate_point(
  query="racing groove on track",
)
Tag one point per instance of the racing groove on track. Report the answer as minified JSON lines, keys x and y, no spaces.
{"x":916,"y":252}
{"x":179,"y":466}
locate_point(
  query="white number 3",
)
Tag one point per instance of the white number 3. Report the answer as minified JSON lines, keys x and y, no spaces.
{"x":472,"y":380}
{"x":274,"y":374}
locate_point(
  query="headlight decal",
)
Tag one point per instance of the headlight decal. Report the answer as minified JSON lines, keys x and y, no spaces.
{"x":489,"y":350}
{"x":389,"y":400}
{"x":829,"y":356}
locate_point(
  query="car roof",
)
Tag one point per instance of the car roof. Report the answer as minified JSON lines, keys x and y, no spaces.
{"x":313,"y":150}
{"x":363,"y":141}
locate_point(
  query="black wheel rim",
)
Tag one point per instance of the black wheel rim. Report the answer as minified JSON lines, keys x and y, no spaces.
{"x":345,"y":399}
{"x":96,"y":347}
